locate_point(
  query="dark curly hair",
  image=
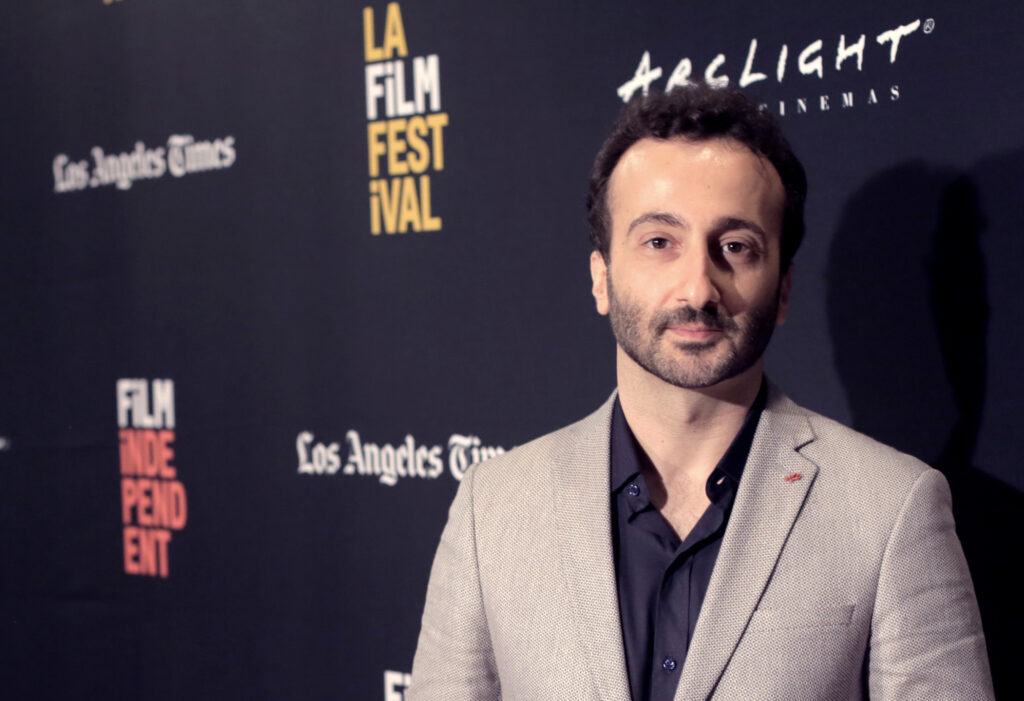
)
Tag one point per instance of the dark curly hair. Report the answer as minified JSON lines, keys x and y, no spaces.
{"x":699,"y":112}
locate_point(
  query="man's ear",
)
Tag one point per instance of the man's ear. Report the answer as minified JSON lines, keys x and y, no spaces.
{"x":785,"y":285}
{"x":599,"y":277}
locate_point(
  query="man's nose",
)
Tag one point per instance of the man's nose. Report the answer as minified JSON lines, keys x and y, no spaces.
{"x":696,"y":285}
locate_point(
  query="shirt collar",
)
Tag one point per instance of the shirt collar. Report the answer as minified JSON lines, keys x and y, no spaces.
{"x":626,"y":454}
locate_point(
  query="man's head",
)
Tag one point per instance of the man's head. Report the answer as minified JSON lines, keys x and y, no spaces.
{"x":691,"y":259}
{"x":699,"y":112}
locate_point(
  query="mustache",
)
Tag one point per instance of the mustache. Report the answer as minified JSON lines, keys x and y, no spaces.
{"x":709,"y":317}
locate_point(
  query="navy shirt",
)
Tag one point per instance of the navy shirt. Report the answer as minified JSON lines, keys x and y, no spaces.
{"x":661,"y":579}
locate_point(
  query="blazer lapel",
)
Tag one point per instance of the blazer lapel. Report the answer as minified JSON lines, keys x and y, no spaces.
{"x":582,"y":501}
{"x":767,"y":504}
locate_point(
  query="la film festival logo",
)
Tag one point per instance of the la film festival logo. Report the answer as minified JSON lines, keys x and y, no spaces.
{"x":153,"y":501}
{"x":405,"y":133}
{"x":182,"y":155}
{"x":776,"y":64}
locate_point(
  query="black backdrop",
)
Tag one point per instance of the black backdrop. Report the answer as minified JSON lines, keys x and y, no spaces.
{"x":188,"y":196}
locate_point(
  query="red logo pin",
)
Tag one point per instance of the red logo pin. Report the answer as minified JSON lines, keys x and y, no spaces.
{"x":793,"y":477}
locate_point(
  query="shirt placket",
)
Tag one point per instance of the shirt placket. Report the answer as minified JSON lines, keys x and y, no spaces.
{"x":675,"y":616}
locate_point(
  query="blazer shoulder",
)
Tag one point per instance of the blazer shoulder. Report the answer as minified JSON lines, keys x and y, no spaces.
{"x":839,"y":447}
{"x":577,"y":446}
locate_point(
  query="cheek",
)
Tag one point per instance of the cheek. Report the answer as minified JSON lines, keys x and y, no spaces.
{"x":749,"y":296}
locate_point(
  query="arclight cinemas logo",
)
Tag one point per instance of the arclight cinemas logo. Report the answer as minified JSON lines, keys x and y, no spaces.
{"x":183,"y":155}
{"x":389,"y":463}
{"x":816,"y":59}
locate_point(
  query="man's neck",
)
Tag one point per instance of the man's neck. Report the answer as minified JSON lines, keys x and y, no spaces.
{"x":684,"y":432}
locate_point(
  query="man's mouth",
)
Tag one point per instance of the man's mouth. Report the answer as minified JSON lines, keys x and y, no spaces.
{"x":691,"y":319}
{"x":694,"y":332}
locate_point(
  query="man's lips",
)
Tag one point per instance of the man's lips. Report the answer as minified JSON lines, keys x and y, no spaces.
{"x":695,"y":332}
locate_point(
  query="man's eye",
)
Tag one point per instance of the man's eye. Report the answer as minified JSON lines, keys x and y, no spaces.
{"x":658,"y":243}
{"x":735,"y":247}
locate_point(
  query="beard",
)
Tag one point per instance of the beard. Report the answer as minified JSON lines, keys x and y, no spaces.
{"x":692,"y":364}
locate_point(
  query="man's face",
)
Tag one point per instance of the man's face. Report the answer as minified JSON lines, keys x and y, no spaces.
{"x":692,"y":284}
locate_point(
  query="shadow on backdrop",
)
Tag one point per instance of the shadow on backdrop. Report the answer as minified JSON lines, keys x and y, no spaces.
{"x":909,"y":313}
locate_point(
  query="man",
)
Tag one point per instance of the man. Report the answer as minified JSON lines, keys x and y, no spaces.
{"x":700,"y":535}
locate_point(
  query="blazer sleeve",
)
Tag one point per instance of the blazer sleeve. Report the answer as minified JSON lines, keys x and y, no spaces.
{"x":926,"y":636}
{"x":454,"y":659}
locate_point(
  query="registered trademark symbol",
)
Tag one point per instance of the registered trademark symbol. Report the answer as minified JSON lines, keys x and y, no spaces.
{"x":929,"y":26}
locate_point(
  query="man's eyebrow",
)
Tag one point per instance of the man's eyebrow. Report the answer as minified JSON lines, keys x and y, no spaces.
{"x":656,"y":218}
{"x":737,"y":223}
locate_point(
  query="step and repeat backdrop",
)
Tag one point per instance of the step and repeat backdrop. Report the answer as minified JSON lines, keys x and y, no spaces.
{"x":274,"y":274}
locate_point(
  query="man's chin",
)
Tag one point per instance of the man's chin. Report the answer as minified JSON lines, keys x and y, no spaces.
{"x":694,"y":380}
{"x":696,"y":365}
{"x":697,"y":347}
{"x":696,"y":370}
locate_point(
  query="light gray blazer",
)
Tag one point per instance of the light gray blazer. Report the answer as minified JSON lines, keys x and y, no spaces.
{"x":847,"y":582}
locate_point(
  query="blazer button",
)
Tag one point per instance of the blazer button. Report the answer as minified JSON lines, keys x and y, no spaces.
{"x":668,"y":664}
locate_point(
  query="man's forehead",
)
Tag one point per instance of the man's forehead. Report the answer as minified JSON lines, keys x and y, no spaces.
{"x":654,"y":172}
{"x":648,"y":151}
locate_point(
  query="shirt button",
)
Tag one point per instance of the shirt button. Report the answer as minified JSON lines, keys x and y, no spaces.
{"x":668,"y":664}
{"x":633,"y":490}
